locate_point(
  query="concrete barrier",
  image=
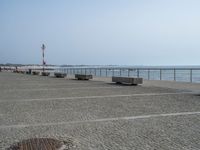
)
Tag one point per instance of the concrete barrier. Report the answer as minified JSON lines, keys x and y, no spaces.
{"x":45,"y":73}
{"x":83,"y":77}
{"x":35,"y":72}
{"x":22,"y":72}
{"x":28,"y":71}
{"x":60,"y":75}
{"x":128,"y":80}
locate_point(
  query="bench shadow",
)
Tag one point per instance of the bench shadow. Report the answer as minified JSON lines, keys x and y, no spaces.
{"x":197,"y":95}
{"x":123,"y":84}
{"x":79,"y":80}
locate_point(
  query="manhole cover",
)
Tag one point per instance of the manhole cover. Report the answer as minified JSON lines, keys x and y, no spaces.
{"x":42,"y":144}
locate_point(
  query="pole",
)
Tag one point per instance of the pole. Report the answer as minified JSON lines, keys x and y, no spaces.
{"x":43,"y":62}
{"x":160,"y":74}
{"x":191,"y":75}
{"x":138,"y":73}
{"x":174,"y":74}
{"x":128,"y":72}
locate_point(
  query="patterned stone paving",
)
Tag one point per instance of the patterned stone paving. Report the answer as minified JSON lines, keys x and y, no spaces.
{"x":39,"y":112}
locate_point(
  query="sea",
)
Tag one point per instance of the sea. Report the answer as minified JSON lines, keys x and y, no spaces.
{"x":169,"y":73}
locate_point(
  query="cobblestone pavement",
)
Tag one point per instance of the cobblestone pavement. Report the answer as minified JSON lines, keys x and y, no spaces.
{"x":98,"y":115}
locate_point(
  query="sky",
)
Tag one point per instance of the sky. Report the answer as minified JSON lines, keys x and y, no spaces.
{"x":100,"y":32}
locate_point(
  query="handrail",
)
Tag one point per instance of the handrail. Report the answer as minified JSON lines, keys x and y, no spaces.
{"x":152,"y":73}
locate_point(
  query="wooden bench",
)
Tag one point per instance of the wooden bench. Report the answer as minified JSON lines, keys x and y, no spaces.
{"x":83,"y":76}
{"x":45,"y":73}
{"x":60,"y":74}
{"x":127,"y":80}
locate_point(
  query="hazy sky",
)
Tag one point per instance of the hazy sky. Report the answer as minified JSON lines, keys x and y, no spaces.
{"x":118,"y":32}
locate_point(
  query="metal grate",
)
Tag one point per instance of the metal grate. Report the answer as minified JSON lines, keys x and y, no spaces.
{"x":41,"y":144}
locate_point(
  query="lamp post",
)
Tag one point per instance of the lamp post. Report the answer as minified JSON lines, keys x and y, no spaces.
{"x":43,"y":61}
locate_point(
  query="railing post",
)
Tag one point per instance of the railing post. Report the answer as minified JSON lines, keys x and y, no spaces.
{"x":106,"y":72}
{"x":120,"y":72}
{"x":191,"y":75}
{"x":138,"y":73}
{"x":160,"y":74}
{"x":85,"y":71}
{"x":113,"y":72}
{"x":100,"y":71}
{"x":148,"y":74}
{"x":128,"y":72}
{"x":174,"y":74}
{"x":95,"y":71}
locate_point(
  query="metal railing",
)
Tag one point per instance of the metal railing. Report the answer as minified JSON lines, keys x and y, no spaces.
{"x":171,"y":74}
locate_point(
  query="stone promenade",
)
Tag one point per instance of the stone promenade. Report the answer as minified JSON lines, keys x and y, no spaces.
{"x":98,"y":114}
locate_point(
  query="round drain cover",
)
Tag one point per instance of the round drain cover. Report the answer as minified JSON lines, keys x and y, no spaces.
{"x":42,"y":144}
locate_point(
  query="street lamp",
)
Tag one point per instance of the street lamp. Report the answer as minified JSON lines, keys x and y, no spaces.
{"x":43,"y":61}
